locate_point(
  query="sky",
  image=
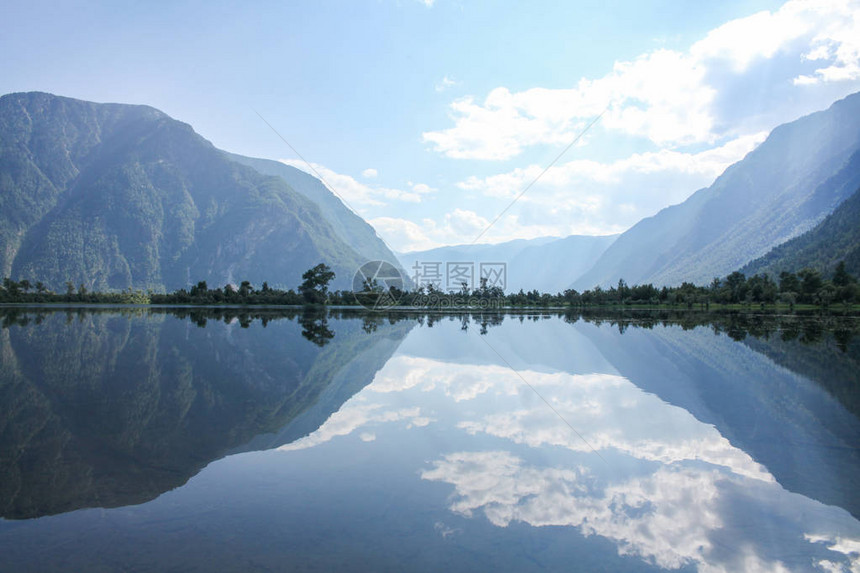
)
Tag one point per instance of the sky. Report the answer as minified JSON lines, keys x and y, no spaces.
{"x":429,"y":117}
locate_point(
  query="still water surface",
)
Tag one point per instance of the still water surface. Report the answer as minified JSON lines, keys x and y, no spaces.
{"x":180,"y":440}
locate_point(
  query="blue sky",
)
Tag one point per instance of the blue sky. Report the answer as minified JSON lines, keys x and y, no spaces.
{"x":429,"y":117}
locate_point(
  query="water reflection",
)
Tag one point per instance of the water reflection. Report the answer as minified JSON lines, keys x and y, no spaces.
{"x":667,"y":488}
{"x":671,"y":516}
{"x":422,"y":441}
{"x":104,"y":409}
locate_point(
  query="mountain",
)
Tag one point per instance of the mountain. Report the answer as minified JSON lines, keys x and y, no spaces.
{"x":783,"y":188}
{"x":108,"y":410}
{"x":352,"y":229}
{"x":554,"y":265}
{"x":789,"y":423}
{"x":836,"y":238}
{"x":548,"y":264}
{"x":114,"y":196}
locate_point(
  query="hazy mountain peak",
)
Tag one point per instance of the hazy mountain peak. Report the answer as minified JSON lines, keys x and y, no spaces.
{"x":781,"y":189}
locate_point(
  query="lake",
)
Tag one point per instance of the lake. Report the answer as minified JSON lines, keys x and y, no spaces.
{"x":263,"y":440}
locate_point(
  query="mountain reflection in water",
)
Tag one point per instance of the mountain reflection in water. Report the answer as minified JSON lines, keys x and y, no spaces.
{"x":713,"y":442}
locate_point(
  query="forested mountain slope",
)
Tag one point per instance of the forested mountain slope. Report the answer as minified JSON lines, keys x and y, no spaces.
{"x":114,"y":196}
{"x":836,"y":238}
{"x":351,"y":228}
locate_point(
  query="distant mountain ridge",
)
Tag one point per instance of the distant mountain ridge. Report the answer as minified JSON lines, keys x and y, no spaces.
{"x":783,"y":188}
{"x":548,"y":264}
{"x":835,"y":239}
{"x":113,"y":196}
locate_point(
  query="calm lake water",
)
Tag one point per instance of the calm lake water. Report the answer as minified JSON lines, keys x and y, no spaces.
{"x":193,"y":440}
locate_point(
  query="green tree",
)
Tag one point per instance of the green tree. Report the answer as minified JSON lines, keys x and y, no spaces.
{"x":841,"y":277}
{"x":810,"y":283}
{"x":825,"y":295}
{"x":200,"y":289}
{"x":623,"y":290}
{"x":12,"y":288}
{"x":229,"y":293}
{"x":737,"y":285}
{"x":314,"y":289}
{"x":571,"y":297}
{"x":788,"y":282}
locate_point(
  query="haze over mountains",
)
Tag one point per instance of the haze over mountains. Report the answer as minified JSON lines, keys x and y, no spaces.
{"x":114,"y":196}
{"x":783,"y":188}
{"x":548,"y":264}
{"x":835,"y":239}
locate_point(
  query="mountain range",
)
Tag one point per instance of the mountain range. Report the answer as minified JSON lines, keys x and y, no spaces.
{"x":777,"y":197}
{"x":784,"y":187}
{"x":548,"y":264}
{"x":114,"y":196}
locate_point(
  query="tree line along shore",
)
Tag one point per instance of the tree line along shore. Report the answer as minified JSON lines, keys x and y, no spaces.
{"x":804,"y":288}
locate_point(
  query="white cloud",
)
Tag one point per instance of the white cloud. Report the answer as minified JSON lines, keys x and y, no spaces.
{"x":839,"y":46}
{"x":420,"y":188}
{"x":673,"y":516}
{"x":667,"y":96}
{"x":590,"y":197}
{"x":369,"y":173}
{"x":665,"y":517}
{"x":404,"y":235}
{"x":465,"y":222}
{"x":445,"y":83}
{"x":500,"y":127}
{"x":835,"y":542}
{"x":579,"y":197}
{"x":820,"y":31}
{"x":462,"y":226}
{"x":457,"y":226}
{"x":706,"y":165}
{"x":454,"y":381}
{"x":355,"y":414}
{"x":357,"y":193}
{"x":611,"y":412}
